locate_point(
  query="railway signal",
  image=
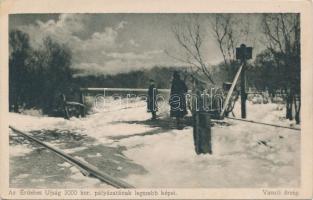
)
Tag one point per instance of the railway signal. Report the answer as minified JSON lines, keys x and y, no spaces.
{"x":243,"y":53}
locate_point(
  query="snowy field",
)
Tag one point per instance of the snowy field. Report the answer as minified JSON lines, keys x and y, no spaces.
{"x":123,"y":142}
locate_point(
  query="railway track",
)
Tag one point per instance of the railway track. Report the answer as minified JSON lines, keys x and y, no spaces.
{"x":84,"y":167}
{"x":263,"y":123}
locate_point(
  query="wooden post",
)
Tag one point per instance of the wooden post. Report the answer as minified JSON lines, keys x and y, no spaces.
{"x":202,"y":132}
{"x":201,"y":122}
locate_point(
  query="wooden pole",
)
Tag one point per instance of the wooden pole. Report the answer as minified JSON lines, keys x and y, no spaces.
{"x":243,"y":89}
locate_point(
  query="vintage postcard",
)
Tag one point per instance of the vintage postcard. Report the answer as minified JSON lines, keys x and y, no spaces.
{"x":143,"y":99}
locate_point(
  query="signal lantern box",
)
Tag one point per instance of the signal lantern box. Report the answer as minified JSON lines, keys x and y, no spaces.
{"x":243,"y":52}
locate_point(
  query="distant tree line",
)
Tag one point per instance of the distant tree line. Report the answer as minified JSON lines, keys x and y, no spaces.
{"x":133,"y":79}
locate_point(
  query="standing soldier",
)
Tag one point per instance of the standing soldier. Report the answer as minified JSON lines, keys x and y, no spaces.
{"x":178,"y":99}
{"x":152,"y":105}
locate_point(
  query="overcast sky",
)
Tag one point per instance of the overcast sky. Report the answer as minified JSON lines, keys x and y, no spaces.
{"x":112,"y":43}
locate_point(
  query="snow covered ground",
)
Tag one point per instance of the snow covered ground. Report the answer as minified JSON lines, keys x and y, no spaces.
{"x":123,"y":142}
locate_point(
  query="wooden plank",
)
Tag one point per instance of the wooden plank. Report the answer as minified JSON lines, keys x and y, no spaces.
{"x":121,"y":89}
{"x":85,"y":168}
{"x":231,"y":91}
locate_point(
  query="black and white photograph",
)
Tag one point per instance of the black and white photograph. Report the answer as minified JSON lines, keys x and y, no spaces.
{"x":155,"y":100}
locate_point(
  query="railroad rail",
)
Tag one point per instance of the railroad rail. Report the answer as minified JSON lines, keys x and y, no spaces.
{"x":85,"y":168}
{"x":263,"y":123}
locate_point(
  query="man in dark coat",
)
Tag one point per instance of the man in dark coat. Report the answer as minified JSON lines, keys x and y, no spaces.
{"x":152,"y":105}
{"x":178,"y":99}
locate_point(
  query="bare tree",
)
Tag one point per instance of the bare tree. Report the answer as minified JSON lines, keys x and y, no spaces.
{"x":189,"y":37}
{"x":282,"y":32}
{"x":223,"y":31}
{"x":229,"y":30}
